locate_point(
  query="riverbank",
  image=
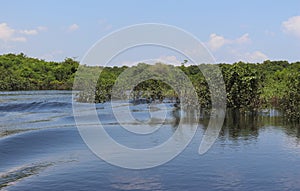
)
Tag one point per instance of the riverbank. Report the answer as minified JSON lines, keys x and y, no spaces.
{"x":249,"y":86}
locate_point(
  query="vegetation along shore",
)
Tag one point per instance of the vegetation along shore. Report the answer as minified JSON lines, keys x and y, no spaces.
{"x":249,"y":86}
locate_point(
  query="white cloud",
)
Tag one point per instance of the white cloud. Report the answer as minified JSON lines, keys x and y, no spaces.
{"x":172,"y":60}
{"x":6,"y":33}
{"x":29,"y":32}
{"x":243,"y":39}
{"x":292,"y":26}
{"x":255,"y":56}
{"x":18,"y":39}
{"x":9,"y":35}
{"x":216,"y":41}
{"x":169,"y":60}
{"x":33,"y":31}
{"x":126,"y":63}
{"x":73,"y":27}
{"x":252,"y":57}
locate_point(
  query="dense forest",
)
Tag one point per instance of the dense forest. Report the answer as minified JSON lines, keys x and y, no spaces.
{"x":249,"y":86}
{"x":19,"y":72}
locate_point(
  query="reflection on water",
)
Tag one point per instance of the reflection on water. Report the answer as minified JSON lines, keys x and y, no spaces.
{"x":237,"y":125}
{"x":134,"y":181}
{"x":11,"y":177}
{"x":251,"y":152}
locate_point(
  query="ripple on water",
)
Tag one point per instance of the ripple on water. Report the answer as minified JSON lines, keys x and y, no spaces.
{"x":14,"y":175}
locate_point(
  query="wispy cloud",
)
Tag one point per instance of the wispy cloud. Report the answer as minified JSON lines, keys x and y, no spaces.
{"x":256,"y":56}
{"x":6,"y":32}
{"x":19,"y":39}
{"x":105,"y":25}
{"x":51,"y":55}
{"x":170,"y":60}
{"x":243,"y":39}
{"x":29,"y":32}
{"x":35,"y":31}
{"x":9,"y":34}
{"x":233,"y":50}
{"x":73,"y":28}
{"x":166,"y":59}
{"x":292,"y":26}
{"x":217,"y":41}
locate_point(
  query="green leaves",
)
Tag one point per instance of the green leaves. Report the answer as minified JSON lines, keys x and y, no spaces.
{"x":290,"y":103}
{"x":242,"y":86}
{"x":19,"y":72}
{"x":249,"y":87}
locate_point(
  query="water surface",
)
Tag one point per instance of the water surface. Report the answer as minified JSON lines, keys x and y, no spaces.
{"x":41,"y":149}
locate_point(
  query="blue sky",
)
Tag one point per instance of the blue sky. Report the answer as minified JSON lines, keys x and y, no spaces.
{"x":232,"y":30}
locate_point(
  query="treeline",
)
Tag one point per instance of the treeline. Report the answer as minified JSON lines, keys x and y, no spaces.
{"x":19,"y":72}
{"x":249,"y":86}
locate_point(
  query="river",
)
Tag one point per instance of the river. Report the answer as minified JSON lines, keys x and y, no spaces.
{"x":41,"y":149}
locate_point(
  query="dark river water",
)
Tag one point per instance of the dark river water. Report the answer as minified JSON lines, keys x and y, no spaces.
{"x":41,"y":149}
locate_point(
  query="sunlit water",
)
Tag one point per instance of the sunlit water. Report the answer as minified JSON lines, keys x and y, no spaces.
{"x":41,"y":149}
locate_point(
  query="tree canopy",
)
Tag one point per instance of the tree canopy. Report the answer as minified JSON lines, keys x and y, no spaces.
{"x":249,"y":86}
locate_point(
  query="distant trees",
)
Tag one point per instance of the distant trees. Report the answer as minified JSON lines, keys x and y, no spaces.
{"x":290,"y":102}
{"x":242,"y":86}
{"x":249,"y":87}
{"x":19,"y":72}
